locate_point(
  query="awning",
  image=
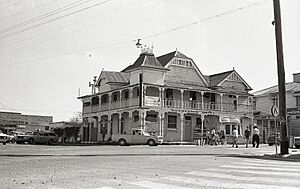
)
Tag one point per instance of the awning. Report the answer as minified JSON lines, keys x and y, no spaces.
{"x":229,"y":119}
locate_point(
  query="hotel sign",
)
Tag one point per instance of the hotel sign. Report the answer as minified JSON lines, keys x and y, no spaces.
{"x":152,"y":101}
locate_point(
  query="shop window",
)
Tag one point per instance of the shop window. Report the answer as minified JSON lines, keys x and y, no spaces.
{"x":172,"y":121}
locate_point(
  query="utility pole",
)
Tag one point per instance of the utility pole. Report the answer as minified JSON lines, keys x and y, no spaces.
{"x":281,"y":80}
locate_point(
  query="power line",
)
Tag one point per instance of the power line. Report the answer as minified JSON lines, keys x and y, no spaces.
{"x":85,"y":28}
{"x":13,"y":15}
{"x":145,"y":37}
{"x":46,"y":15}
{"x":57,"y":18}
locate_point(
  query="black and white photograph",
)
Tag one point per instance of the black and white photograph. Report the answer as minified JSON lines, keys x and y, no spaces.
{"x":149,"y":94}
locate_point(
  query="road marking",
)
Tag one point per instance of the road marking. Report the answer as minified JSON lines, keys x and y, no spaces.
{"x":260,"y":161}
{"x":256,"y":172}
{"x":155,"y":185}
{"x":266,"y":165}
{"x":223,"y":183}
{"x":277,"y":181}
{"x":261,"y":168}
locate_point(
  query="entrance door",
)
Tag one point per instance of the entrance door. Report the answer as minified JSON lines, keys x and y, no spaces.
{"x":188,"y":128}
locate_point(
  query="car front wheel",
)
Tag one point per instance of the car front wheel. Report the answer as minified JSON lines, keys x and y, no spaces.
{"x":151,"y":142}
{"x":122,"y":142}
{"x":31,"y":141}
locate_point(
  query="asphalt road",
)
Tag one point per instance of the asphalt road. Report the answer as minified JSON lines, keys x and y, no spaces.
{"x":40,"y":166}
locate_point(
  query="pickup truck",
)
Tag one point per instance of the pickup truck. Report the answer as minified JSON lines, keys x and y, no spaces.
{"x":136,"y":136}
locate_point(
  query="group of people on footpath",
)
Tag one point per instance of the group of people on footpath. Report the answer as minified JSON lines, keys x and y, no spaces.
{"x":247,"y":133}
{"x":214,"y":137}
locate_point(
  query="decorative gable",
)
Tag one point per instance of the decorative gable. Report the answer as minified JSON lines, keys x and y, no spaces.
{"x":234,"y":81}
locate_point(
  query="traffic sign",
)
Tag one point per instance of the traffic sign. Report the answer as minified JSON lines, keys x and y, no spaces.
{"x":275,"y":111}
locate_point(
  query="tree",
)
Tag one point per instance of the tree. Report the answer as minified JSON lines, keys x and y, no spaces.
{"x":77,"y":118}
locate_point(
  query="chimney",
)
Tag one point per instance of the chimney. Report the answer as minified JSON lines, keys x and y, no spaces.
{"x":296,"y":77}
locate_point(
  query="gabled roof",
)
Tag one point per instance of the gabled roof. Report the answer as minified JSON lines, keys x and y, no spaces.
{"x":216,"y":79}
{"x":113,"y":77}
{"x":165,"y":59}
{"x":289,"y":87}
{"x":145,"y":60}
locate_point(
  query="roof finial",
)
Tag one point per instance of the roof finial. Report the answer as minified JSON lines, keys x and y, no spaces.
{"x":232,"y":68}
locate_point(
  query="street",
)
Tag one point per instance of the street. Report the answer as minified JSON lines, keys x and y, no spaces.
{"x":107,"y":167}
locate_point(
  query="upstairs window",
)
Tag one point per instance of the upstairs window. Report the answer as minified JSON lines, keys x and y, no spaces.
{"x":297,"y":101}
{"x":169,"y":93}
{"x":86,"y":104}
{"x":95,"y":101}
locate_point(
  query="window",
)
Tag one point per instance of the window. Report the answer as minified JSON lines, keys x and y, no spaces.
{"x":151,"y":118}
{"x":46,"y":128}
{"x":192,"y":95}
{"x":169,"y":93}
{"x":227,"y":129}
{"x":297,"y":101}
{"x":126,"y":94}
{"x":104,"y":99}
{"x":172,"y":120}
{"x":114,"y":97}
{"x":95,"y":101}
{"x":86,"y":104}
{"x":136,"y":118}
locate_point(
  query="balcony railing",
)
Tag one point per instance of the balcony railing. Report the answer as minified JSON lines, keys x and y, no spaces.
{"x":172,"y":103}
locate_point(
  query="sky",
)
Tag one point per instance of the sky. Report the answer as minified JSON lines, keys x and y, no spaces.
{"x":51,"y":49}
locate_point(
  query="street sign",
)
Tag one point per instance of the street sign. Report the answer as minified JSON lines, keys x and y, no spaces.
{"x":274,"y":111}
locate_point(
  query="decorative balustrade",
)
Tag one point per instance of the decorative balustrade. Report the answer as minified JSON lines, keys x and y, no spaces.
{"x":172,"y":103}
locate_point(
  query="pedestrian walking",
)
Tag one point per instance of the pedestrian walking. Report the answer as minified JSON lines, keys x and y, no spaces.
{"x":235,"y":137}
{"x":247,"y":136}
{"x":213,"y":136}
{"x":223,"y":137}
{"x":255,"y":138}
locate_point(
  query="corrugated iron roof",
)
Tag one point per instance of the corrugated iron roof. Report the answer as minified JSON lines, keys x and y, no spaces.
{"x":145,"y":59}
{"x":289,"y":87}
{"x":115,"y":77}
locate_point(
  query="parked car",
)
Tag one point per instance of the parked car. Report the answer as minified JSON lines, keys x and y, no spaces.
{"x":3,"y":138}
{"x":271,"y":139}
{"x":297,"y":142}
{"x":40,"y":137}
{"x":136,"y":136}
{"x":21,"y":138}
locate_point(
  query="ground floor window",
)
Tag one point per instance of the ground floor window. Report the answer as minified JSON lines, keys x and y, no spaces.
{"x":172,"y":121}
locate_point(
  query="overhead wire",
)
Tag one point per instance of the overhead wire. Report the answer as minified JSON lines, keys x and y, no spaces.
{"x":144,"y":37}
{"x":57,"y":18}
{"x":85,"y":28}
{"x":21,"y":12}
{"x":46,"y":15}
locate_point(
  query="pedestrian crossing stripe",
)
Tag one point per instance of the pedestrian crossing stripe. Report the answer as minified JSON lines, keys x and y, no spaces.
{"x":277,"y":181}
{"x":223,"y":183}
{"x":256,"y":172}
{"x":297,"y":170}
{"x":155,"y":185}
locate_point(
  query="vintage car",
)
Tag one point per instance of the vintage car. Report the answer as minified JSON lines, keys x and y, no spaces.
{"x":136,"y":136}
{"x":297,"y":142}
{"x":3,"y":138}
{"x":21,"y":138}
{"x":41,"y":137}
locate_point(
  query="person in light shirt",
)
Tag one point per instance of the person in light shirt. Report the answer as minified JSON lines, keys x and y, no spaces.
{"x":235,"y":137}
{"x":255,"y":138}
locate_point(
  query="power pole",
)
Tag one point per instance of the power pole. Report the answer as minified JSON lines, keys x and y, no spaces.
{"x":281,"y":80}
